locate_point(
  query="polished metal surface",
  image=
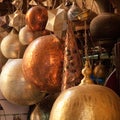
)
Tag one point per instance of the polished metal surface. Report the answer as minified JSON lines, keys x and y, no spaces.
{"x":42,"y":63}
{"x":86,"y":71}
{"x":3,"y":60}
{"x":86,"y":102}
{"x":100,"y":71}
{"x":26,"y":35}
{"x":11,"y":46}
{"x":15,"y":88}
{"x":42,"y":110}
{"x":36,"y":18}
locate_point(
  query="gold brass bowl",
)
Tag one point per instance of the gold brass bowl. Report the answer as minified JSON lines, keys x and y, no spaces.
{"x":15,"y":88}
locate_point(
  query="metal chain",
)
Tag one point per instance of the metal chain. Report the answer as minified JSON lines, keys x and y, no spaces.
{"x":86,"y":45}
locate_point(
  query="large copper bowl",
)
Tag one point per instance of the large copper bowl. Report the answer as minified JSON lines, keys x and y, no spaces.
{"x":36,"y":18}
{"x":42,"y":63}
{"x":15,"y":88}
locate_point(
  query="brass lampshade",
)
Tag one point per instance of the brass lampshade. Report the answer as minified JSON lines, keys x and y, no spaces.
{"x":15,"y":88}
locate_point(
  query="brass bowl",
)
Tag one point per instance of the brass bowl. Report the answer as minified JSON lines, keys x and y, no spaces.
{"x":15,"y":88}
{"x":11,"y":47}
{"x":86,"y":102}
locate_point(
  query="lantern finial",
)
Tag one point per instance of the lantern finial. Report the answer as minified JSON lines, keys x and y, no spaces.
{"x":86,"y":71}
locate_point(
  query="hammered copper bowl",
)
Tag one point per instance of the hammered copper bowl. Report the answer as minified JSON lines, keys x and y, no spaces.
{"x":15,"y":88}
{"x":42,"y":63}
{"x":36,"y":18}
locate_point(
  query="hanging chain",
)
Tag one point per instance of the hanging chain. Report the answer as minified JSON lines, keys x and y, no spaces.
{"x":85,"y":32}
{"x":86,"y":45}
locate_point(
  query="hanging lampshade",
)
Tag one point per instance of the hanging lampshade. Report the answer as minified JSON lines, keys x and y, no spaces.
{"x":17,"y":20}
{"x":26,"y":35}
{"x":86,"y":102}
{"x":74,"y":11}
{"x":99,"y":71}
{"x":32,"y":3}
{"x":15,"y":88}
{"x":11,"y":47}
{"x":36,"y":18}
{"x":42,"y":110}
{"x":105,"y":25}
{"x":3,"y":60}
{"x":42,"y":63}
{"x":17,"y":3}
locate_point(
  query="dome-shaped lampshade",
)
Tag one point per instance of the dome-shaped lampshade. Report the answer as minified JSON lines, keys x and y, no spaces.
{"x":15,"y":88}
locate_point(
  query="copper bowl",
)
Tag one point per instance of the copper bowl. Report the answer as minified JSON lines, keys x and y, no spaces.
{"x":36,"y":18}
{"x":42,"y":63}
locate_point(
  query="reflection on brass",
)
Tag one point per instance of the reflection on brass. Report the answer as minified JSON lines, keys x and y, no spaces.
{"x":42,"y":63}
{"x":99,"y":71}
{"x":86,"y":71}
{"x":86,"y":102}
{"x":84,"y":15}
{"x":15,"y":88}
